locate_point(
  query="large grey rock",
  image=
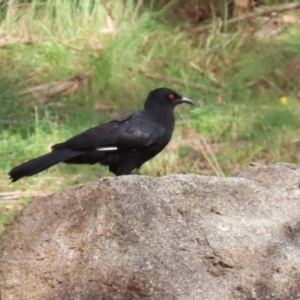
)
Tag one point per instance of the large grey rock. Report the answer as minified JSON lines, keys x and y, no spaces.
{"x":174,"y":237}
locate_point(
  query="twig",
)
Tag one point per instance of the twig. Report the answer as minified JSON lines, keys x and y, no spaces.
{"x":10,"y":9}
{"x":207,"y":158}
{"x":10,"y":201}
{"x":47,"y":91}
{"x":70,"y":46}
{"x":108,"y":11}
{"x":201,"y":145}
{"x":265,"y":11}
{"x":138,"y":7}
{"x":214,"y":163}
{"x":13,"y":121}
{"x":9,"y":41}
{"x":18,"y":194}
{"x":78,"y":49}
{"x":194,"y":85}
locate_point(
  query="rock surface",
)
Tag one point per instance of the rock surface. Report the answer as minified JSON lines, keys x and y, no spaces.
{"x":180,"y":237}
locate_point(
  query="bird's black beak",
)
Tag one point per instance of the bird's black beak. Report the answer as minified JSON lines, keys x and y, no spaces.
{"x":186,"y":100}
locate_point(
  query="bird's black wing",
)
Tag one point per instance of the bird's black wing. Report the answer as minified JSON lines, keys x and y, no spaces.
{"x":129,"y":132}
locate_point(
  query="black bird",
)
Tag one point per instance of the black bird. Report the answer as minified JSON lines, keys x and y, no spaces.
{"x":123,"y":144}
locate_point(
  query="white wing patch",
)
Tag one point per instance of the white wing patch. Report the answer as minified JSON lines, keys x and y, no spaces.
{"x":107,"y":148}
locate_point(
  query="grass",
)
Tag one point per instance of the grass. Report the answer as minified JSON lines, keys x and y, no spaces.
{"x":122,"y":48}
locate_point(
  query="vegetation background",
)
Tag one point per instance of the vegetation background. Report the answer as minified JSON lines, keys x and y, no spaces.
{"x":67,"y":65}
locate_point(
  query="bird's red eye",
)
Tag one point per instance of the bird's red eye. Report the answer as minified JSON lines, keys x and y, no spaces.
{"x":171,"y":97}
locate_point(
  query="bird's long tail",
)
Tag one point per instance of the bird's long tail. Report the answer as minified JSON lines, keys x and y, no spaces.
{"x":41,"y":163}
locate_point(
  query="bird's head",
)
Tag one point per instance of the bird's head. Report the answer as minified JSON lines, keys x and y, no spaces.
{"x":164,"y":97}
